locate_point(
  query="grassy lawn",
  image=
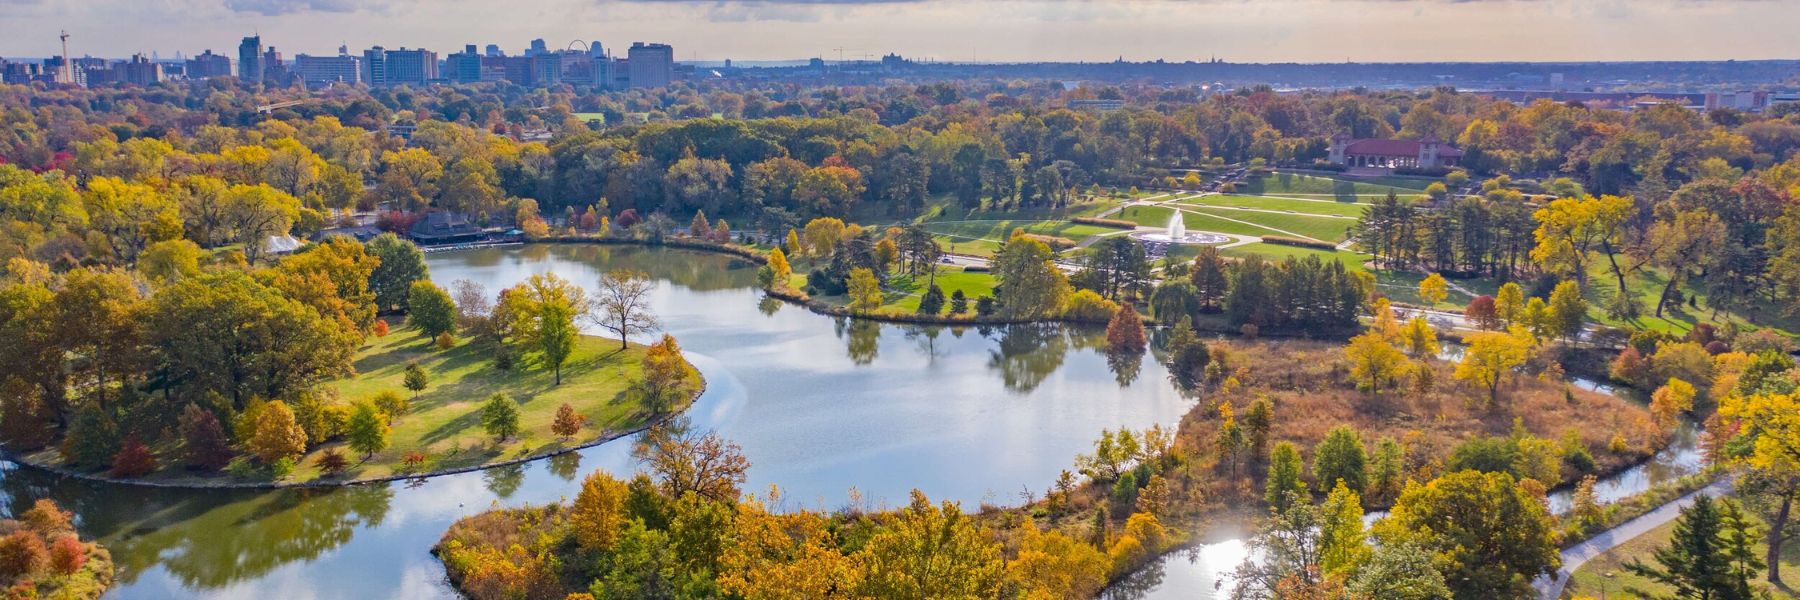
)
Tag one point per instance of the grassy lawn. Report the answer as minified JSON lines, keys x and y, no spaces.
{"x":1592,"y":579}
{"x":444,"y":422}
{"x":905,"y":298}
{"x":1353,"y":261}
{"x":1646,"y":285}
{"x":1158,"y":216}
{"x":1320,"y":206}
{"x":1285,"y":183}
{"x":1242,"y":222}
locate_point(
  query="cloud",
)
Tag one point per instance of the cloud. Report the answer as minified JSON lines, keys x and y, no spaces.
{"x":286,"y":7}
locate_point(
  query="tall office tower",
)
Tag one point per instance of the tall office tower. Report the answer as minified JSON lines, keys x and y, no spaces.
{"x":651,"y":65}
{"x":414,"y":67}
{"x":494,"y":51}
{"x":463,"y":67}
{"x":207,"y":64}
{"x":374,"y":66}
{"x":322,"y":71}
{"x":250,"y":59}
{"x":537,"y":47}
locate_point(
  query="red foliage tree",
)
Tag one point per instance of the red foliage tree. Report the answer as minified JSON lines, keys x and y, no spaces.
{"x":332,"y":462}
{"x":1126,"y":331}
{"x":22,"y":553}
{"x":207,"y":447}
{"x":1482,"y":313}
{"x":68,"y":554}
{"x":627,"y":218}
{"x":134,"y":459}
{"x":381,"y":328}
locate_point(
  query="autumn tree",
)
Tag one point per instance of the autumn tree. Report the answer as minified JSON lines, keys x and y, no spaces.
{"x":277,"y":436}
{"x":204,"y":443}
{"x":598,"y":513}
{"x":864,"y":290}
{"x":622,"y":304}
{"x":331,"y":462}
{"x":568,"y":422}
{"x":133,"y":460}
{"x":1343,"y":546}
{"x":1031,"y":285}
{"x":1433,"y":289}
{"x":1052,"y":565}
{"x":779,"y":269}
{"x":415,"y":378}
{"x":1567,"y":311}
{"x":686,"y":461}
{"x":1125,"y":332}
{"x":1490,"y":356}
{"x":663,"y":375}
{"x":1374,"y":362}
{"x":931,"y":551}
{"x":1670,"y":400}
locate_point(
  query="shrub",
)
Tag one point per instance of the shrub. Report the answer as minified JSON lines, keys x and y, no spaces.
{"x":22,"y":554}
{"x":413,"y":461}
{"x":134,"y":459}
{"x":1054,"y":242}
{"x":332,"y":462}
{"x":68,"y":555}
{"x":1298,"y":242}
{"x":444,"y":341}
{"x":381,"y":328}
{"x":1113,"y":223}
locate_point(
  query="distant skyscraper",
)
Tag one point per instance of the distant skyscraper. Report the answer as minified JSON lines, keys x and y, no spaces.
{"x":322,"y":71}
{"x":494,"y":50}
{"x":537,"y":47}
{"x":463,"y":67}
{"x":374,"y":66}
{"x":207,"y":64}
{"x":250,"y":59}
{"x":413,"y":67}
{"x":651,"y":65}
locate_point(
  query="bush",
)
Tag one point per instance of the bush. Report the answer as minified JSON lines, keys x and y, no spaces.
{"x":22,"y":553}
{"x":133,"y":460}
{"x":332,"y":462}
{"x":1054,"y":242}
{"x":67,"y":555}
{"x":1299,"y":242}
{"x":444,"y":341}
{"x":1114,"y":223}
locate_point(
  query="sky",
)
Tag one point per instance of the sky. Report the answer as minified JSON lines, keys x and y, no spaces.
{"x":945,"y":30}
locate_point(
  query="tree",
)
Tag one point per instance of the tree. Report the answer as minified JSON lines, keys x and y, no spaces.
{"x":1433,"y":289}
{"x":1490,"y":356}
{"x":1340,"y":457}
{"x":1569,"y":229}
{"x":92,"y":437}
{"x":277,"y":436}
{"x":1498,"y":554}
{"x":1030,"y":285}
{"x":932,"y":302}
{"x":204,"y":443}
{"x":865,"y":290}
{"x":430,"y":309}
{"x":1482,"y":313}
{"x":1051,"y":565}
{"x":22,"y":554}
{"x":1509,"y":303}
{"x":500,"y":416}
{"x":1399,"y":572}
{"x":170,"y":260}
{"x":331,"y":462}
{"x":779,"y":269}
{"x":687,"y":461}
{"x":1209,"y":278}
{"x":1175,"y":302}
{"x":1374,"y":362}
{"x":932,"y":552}
{"x":598,"y":514}
{"x":415,"y":378}
{"x":399,"y":263}
{"x":368,"y":430}
{"x":568,"y":422}
{"x":1670,"y":400}
{"x":1688,"y":243}
{"x":1284,"y":486}
{"x":1188,"y":356}
{"x":1125,"y":333}
{"x":622,"y":305}
{"x":133,"y":460}
{"x":1698,"y":560}
{"x":1287,"y":554}
{"x":1342,"y":544}
{"x":391,"y":404}
{"x":1770,"y":427}
{"x":67,"y":554}
{"x":1568,"y":311}
{"x":663,"y":374}
{"x":257,"y":213}
{"x":1419,"y":338}
{"x":959,"y":302}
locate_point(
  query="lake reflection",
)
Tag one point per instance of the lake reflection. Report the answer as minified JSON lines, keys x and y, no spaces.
{"x":819,"y":404}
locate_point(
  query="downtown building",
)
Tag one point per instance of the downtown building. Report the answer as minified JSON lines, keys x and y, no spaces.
{"x":208,"y":65}
{"x":322,"y":71}
{"x":384,"y":67}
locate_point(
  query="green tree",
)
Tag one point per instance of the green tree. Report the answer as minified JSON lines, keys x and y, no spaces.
{"x":415,"y":378}
{"x":1509,"y":303}
{"x":1496,"y":555}
{"x":429,"y":308}
{"x":1342,"y":543}
{"x":399,"y":264}
{"x":556,"y":335}
{"x":932,"y":302}
{"x":1030,"y":285}
{"x":500,"y":416}
{"x":1340,"y":457}
{"x":1284,"y":486}
{"x":1698,"y":561}
{"x":1399,"y":572}
{"x":1568,"y":310}
{"x":368,"y":430}
{"x":865,"y":290}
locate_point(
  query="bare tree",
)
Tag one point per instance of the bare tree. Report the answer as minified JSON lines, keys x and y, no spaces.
{"x":472,"y":304}
{"x":623,"y":304}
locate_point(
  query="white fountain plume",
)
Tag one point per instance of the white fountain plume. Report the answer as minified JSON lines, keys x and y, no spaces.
{"x":1177,"y":228}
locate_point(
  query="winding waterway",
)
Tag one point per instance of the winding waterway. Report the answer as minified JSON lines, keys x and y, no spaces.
{"x":820,"y":406}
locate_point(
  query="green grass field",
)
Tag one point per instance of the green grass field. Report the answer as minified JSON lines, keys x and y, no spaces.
{"x":1311,"y":207}
{"x":444,"y":422}
{"x":1242,"y":222}
{"x":1353,"y":261}
{"x":1295,"y":184}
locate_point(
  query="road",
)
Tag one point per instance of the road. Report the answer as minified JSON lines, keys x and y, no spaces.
{"x":1577,"y":555}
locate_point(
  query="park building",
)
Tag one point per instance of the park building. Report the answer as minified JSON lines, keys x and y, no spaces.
{"x":1428,"y":153}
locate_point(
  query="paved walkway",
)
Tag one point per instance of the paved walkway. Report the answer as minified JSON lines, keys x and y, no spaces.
{"x":1579,"y":554}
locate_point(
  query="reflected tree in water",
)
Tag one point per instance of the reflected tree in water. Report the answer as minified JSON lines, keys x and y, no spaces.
{"x":504,"y":481}
{"x":1125,"y":366}
{"x":768,"y":306}
{"x":566,"y":465}
{"x":1027,"y":354}
{"x":864,"y":342}
{"x":926,"y":338}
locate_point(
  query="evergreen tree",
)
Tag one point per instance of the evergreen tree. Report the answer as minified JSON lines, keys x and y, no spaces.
{"x":959,"y":302}
{"x":500,"y":416}
{"x":1284,"y":486}
{"x":1341,"y":457}
{"x":1699,"y":561}
{"x":932,"y":302}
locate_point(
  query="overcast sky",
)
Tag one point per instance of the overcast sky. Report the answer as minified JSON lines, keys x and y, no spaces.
{"x":960,"y":30}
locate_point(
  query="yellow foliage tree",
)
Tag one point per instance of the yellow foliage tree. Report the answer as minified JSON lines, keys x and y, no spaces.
{"x":778,"y":264}
{"x":782,"y":556}
{"x":1420,"y":339}
{"x":598,"y":513}
{"x":1374,"y":363}
{"x":865,"y":290}
{"x":1053,"y":566}
{"x":1491,"y":355}
{"x":1433,"y":289}
{"x":277,"y":434}
{"x":1670,"y":400}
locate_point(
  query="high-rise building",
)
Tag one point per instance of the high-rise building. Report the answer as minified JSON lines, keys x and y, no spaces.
{"x":275,"y":70}
{"x":374,"y":66}
{"x":322,"y":71}
{"x":546,"y":68}
{"x":207,"y":64}
{"x":493,"y":50}
{"x":139,"y":71}
{"x":537,"y":47}
{"x":412,"y":67}
{"x":463,"y":67}
{"x":250,"y":59}
{"x":651,"y":65}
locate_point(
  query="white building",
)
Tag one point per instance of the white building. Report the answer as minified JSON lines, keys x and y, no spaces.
{"x":322,"y":71}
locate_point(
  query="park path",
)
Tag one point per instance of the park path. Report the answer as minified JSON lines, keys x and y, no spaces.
{"x":1551,"y":588}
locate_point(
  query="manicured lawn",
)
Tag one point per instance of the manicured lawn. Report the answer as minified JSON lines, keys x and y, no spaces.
{"x":1285,"y":183}
{"x":1353,"y":261}
{"x":1320,"y":206}
{"x":950,"y":279}
{"x":444,"y":422}
{"x":1646,"y":285}
{"x":1158,"y":216}
{"x":1592,"y":579}
{"x":983,"y":237}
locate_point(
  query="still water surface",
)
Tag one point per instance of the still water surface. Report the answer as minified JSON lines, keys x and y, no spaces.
{"x":820,"y":406}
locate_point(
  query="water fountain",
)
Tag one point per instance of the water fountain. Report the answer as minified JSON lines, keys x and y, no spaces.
{"x":1177,"y":233}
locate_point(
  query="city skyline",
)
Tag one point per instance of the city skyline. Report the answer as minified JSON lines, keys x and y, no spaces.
{"x":1027,"y":30}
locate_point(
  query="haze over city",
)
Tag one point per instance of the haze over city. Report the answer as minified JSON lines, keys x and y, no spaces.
{"x":946,"y":30}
